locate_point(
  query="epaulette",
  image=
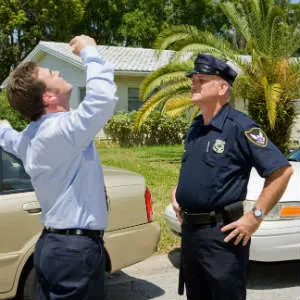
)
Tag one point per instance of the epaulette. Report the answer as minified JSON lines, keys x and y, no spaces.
{"x":242,"y":120}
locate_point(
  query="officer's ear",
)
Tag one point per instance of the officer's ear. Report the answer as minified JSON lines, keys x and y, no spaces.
{"x":223,"y":87}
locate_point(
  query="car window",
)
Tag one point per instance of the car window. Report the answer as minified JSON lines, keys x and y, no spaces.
{"x":295,"y":156}
{"x":12,"y":175}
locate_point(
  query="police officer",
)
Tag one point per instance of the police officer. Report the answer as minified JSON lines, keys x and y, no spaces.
{"x":221,"y":147}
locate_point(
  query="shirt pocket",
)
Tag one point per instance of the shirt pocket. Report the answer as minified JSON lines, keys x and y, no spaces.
{"x":215,"y":160}
{"x":217,"y":154}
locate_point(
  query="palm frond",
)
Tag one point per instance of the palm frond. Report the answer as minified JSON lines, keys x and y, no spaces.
{"x":272,"y":96}
{"x":238,"y":21}
{"x":188,"y":107}
{"x":172,"y":35}
{"x":159,"y":99}
{"x":176,"y":67}
{"x":164,"y":81}
{"x":195,"y":49}
{"x":176,"y":101}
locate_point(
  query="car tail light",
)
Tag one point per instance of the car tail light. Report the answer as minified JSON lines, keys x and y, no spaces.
{"x":148,"y":201}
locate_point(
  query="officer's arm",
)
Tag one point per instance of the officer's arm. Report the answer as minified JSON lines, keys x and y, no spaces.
{"x":271,"y":164}
{"x":274,"y":187}
{"x":175,"y":204}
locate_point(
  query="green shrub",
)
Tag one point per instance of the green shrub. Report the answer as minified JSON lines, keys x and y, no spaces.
{"x":157,"y":130}
{"x":7,"y":113}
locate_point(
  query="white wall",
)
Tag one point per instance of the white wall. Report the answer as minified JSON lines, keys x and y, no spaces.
{"x":123,"y":84}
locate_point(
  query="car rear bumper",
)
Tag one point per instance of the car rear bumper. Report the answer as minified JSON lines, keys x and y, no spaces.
{"x":273,"y":241}
{"x":131,"y":245}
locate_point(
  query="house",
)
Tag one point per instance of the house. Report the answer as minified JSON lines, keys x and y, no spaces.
{"x":132,"y":65}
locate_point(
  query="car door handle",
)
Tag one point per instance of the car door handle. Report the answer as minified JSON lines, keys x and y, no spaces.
{"x":32,"y":207}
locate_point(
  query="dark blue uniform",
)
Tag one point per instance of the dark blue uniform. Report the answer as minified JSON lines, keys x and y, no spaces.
{"x":215,"y":171}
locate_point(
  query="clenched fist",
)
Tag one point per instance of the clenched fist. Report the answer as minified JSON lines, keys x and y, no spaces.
{"x":81,"y":41}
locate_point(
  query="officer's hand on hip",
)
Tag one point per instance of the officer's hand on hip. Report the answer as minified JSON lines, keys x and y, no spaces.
{"x":81,"y":41}
{"x":242,"y":229}
{"x":175,"y":205}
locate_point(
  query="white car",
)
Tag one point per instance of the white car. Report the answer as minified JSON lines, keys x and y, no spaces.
{"x":278,"y":237}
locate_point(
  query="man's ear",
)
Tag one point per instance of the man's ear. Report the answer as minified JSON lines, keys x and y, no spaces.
{"x":49,"y":98}
{"x":223,"y":88}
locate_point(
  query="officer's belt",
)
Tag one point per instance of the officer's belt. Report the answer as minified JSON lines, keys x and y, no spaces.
{"x":227,"y":214}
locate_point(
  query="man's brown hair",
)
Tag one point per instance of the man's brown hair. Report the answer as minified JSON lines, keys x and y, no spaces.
{"x":25,"y":92}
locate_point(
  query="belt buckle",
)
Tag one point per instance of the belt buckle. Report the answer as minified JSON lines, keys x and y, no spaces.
{"x":49,"y":229}
{"x":78,"y":231}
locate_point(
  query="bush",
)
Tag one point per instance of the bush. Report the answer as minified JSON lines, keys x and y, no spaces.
{"x":157,"y":130}
{"x":7,"y":113}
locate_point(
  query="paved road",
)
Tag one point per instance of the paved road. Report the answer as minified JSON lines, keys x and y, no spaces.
{"x":156,"y":278}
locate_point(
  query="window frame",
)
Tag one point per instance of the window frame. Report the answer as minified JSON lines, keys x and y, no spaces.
{"x":16,"y":191}
{"x":137,"y":101}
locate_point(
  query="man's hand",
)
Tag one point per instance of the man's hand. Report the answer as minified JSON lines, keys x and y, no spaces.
{"x":175,"y":205}
{"x":242,"y":229}
{"x":4,"y":123}
{"x":81,"y":41}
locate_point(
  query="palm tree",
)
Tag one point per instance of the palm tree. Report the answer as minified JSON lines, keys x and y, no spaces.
{"x":269,"y":80}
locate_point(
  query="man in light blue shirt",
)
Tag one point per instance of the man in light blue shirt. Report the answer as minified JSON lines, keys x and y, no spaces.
{"x":59,"y":154}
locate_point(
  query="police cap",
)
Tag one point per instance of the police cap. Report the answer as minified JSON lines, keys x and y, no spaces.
{"x":208,"y":64}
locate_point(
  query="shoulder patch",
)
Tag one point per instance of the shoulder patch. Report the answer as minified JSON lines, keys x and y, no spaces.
{"x":257,"y":136}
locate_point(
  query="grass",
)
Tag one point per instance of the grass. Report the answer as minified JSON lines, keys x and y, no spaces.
{"x":160,"y":166}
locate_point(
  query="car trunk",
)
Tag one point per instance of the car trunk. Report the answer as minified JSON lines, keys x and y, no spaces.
{"x":126,"y":201}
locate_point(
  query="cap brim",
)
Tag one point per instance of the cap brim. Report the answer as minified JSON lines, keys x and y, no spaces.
{"x":190,"y":74}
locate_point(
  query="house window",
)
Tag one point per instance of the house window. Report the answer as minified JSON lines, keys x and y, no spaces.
{"x":134,"y":103}
{"x":82,"y":91}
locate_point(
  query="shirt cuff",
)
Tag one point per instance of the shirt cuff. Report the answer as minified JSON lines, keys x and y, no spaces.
{"x":90,"y":52}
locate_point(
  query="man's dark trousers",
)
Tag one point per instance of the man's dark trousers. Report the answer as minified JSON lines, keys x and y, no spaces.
{"x":69,"y":267}
{"x":213,"y":269}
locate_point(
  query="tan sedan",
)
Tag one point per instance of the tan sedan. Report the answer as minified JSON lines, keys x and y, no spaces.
{"x":131,"y":235}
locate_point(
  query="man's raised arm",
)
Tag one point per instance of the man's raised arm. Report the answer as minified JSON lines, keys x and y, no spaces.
{"x":83,"y":124}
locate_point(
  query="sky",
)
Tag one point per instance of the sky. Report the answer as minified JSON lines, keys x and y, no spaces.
{"x":294,"y":1}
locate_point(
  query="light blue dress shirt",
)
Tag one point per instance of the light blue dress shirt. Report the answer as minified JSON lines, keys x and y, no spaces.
{"x":59,"y":154}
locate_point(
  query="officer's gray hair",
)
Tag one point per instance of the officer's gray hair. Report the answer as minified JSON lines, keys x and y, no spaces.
{"x":229,"y":87}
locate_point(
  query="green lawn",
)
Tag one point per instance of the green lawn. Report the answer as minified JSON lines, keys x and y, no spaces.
{"x":160,"y":166}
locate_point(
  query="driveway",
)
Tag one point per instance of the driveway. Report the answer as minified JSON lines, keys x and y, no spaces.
{"x":157,"y":277}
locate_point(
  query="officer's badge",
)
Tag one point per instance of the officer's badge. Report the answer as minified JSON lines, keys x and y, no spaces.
{"x":257,"y":136}
{"x":219,"y":146}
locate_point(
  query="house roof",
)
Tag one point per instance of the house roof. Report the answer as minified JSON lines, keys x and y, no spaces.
{"x":134,"y":61}
{"x":124,"y":58}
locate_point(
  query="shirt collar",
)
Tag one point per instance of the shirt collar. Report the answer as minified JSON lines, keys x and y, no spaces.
{"x":219,"y":119}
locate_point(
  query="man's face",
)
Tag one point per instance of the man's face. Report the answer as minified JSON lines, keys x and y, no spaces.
{"x":204,"y":88}
{"x":55,"y":84}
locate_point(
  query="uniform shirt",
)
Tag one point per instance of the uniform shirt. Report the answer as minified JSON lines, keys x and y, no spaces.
{"x":218,"y":159}
{"x":59,"y":154}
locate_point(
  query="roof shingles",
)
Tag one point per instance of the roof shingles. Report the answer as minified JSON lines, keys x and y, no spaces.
{"x":124,"y":58}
